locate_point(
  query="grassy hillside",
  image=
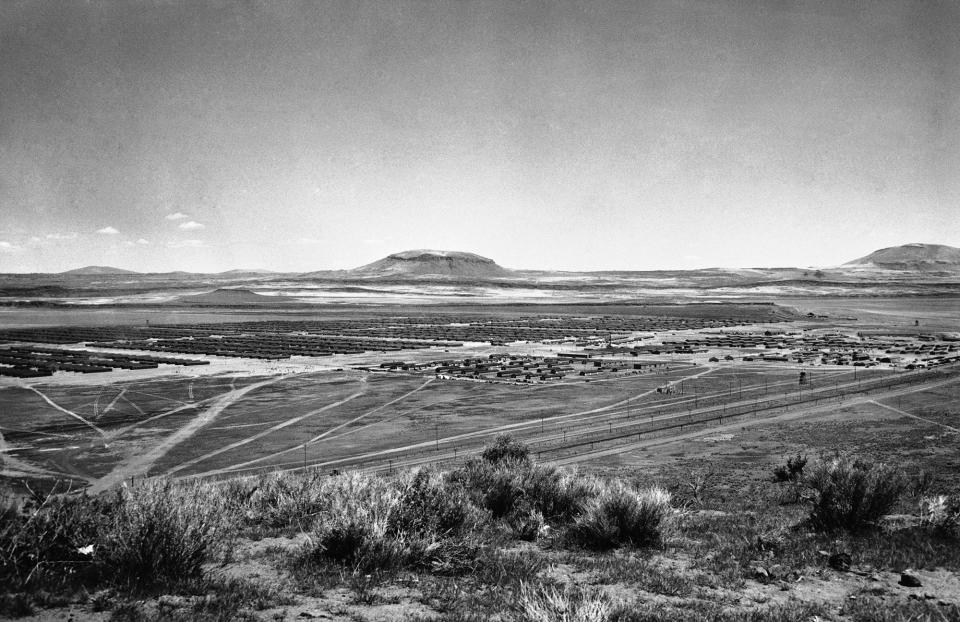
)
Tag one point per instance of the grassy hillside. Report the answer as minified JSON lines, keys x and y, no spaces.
{"x":499,"y":537}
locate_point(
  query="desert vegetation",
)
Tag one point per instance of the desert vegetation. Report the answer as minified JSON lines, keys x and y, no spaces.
{"x":498,"y":535}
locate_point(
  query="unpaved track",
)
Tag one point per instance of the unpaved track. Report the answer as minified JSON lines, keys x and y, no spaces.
{"x":139,"y":465}
{"x":319,"y":437}
{"x":14,"y":467}
{"x":69,"y":412}
{"x":466,"y":436}
{"x":786,"y":416}
{"x":259,"y":435}
{"x":912,"y":416}
{"x":400,"y":456}
{"x":113,"y":402}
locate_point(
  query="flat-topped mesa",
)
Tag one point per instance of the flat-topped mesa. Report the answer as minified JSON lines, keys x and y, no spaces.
{"x":434,"y":263}
{"x":922,"y":257}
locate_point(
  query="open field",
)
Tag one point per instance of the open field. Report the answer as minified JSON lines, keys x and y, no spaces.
{"x":703,"y":401}
{"x":267,"y":399}
{"x":728,"y":542}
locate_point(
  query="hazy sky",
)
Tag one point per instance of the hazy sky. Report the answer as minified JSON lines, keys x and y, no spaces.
{"x":206,"y":136}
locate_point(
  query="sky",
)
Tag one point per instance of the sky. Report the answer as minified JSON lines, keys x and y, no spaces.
{"x":297,"y":136}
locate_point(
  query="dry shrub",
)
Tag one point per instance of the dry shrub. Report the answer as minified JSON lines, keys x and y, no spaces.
{"x":429,"y":506}
{"x":159,"y":534}
{"x":40,"y":546}
{"x":152,"y":535}
{"x":852,"y":493}
{"x":620,"y":516}
{"x":792,"y":471}
{"x":280,"y":500}
{"x":503,"y":487}
{"x":506,"y":450}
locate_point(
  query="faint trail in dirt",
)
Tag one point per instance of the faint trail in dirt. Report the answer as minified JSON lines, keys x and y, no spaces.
{"x":166,"y":413}
{"x":139,"y":465}
{"x":15,"y":467}
{"x":785,"y":416}
{"x":96,"y":404}
{"x":458,"y":437}
{"x":70,"y":412}
{"x":161,"y":397}
{"x":113,"y":402}
{"x":324,"y":434}
{"x":242,"y":425}
{"x":912,"y":416}
{"x":259,"y":435}
{"x":137,"y":408}
{"x":638,"y":396}
{"x":402,"y":413}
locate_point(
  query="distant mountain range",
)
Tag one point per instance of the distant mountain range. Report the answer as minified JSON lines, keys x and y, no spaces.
{"x":108,"y":270}
{"x":460,"y":265}
{"x":432,"y":275}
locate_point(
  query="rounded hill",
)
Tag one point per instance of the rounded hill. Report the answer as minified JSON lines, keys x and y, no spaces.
{"x":226,"y":297}
{"x":434,"y":263}
{"x":923,"y":257}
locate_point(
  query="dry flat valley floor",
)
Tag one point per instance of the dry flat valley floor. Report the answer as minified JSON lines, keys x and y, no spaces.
{"x":738,"y":548}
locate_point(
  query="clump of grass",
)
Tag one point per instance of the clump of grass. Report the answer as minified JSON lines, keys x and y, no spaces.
{"x":352,"y":528}
{"x":547,"y":604}
{"x":526,"y":523}
{"x":417,"y":521}
{"x":40,"y":546}
{"x":277,"y":502}
{"x":623,"y":516}
{"x":159,"y":535}
{"x":941,"y":515}
{"x":852,"y":493}
{"x":139,"y":539}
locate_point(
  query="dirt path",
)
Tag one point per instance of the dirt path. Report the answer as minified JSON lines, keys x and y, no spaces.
{"x":139,"y":465}
{"x":259,"y":435}
{"x":324,"y":434}
{"x":912,"y":416}
{"x":71,"y":413}
{"x":404,"y":461}
{"x":159,"y":397}
{"x":452,"y":439}
{"x":786,"y":416}
{"x":15,"y":467}
{"x":113,"y":402}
